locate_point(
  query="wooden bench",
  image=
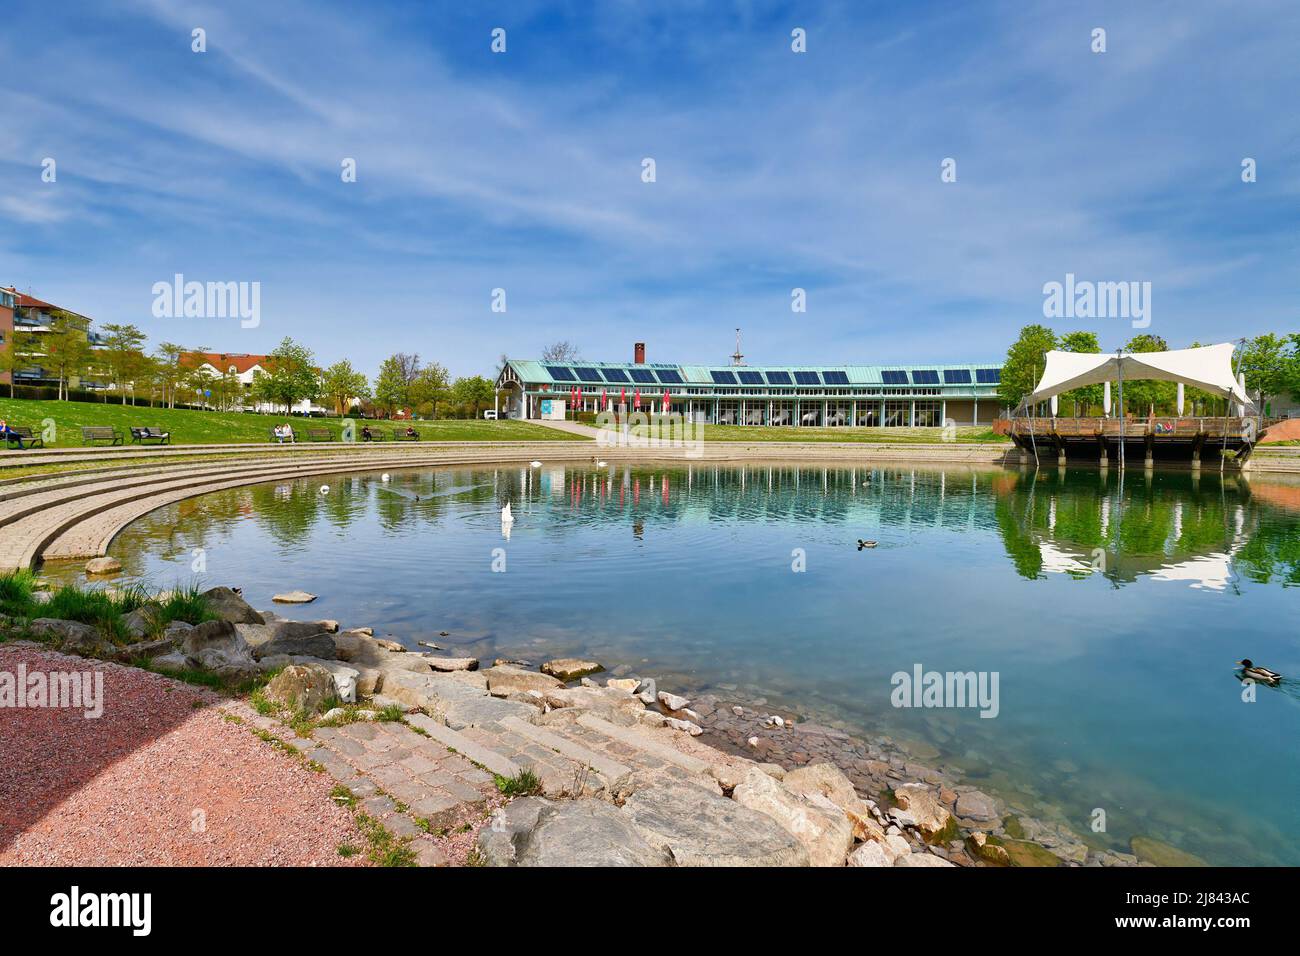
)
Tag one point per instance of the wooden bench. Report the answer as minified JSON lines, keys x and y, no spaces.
{"x":319,"y":434}
{"x":289,"y":440}
{"x":93,"y":433}
{"x":22,"y":437}
{"x":399,"y":434}
{"x":142,"y":435}
{"x":375,"y":435}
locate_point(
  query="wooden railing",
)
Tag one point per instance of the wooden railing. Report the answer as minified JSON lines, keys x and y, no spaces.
{"x":1160,"y":427}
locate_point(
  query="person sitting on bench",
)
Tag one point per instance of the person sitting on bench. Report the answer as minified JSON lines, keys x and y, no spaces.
{"x":410,"y":431}
{"x":365,"y":433}
{"x":6,"y":433}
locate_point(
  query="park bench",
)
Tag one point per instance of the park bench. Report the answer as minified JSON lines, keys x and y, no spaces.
{"x":399,"y":434}
{"x":22,"y":437}
{"x":143,"y":435}
{"x":375,"y":435}
{"x":319,"y":434}
{"x":93,"y":433}
{"x":292,"y":437}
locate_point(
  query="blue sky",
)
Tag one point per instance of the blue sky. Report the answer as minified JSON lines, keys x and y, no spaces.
{"x":775,"y":170}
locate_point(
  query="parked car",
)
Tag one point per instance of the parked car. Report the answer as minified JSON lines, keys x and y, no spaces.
{"x":490,"y":413}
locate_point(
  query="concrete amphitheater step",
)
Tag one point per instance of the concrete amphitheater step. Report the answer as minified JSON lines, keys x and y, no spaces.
{"x":643,"y":743}
{"x":26,"y":538}
{"x":90,"y":534}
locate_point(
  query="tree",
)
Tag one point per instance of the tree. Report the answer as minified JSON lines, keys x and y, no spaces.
{"x":341,"y":383}
{"x":563,"y":351}
{"x":1144,"y":395}
{"x":1266,"y":360}
{"x":122,"y":354}
{"x":1088,"y":395}
{"x":1024,"y":365}
{"x":66,"y":348}
{"x":392,"y":391}
{"x":291,"y":377}
{"x":171,"y":371}
{"x":429,"y":388}
{"x":474,"y":391}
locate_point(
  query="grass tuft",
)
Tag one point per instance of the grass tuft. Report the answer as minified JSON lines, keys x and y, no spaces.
{"x":523,"y":784}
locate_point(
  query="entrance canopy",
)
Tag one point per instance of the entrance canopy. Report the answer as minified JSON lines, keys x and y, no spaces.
{"x":1208,"y":368}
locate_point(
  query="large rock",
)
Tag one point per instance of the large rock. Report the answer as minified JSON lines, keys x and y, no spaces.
{"x":229,"y":606}
{"x":872,"y":853}
{"x":570,"y":668}
{"x":975,"y":805}
{"x":828,"y":781}
{"x":921,"y":859}
{"x":919,"y":806}
{"x":319,"y":645}
{"x":700,"y":828}
{"x":294,"y":597}
{"x":302,"y":687}
{"x":451,"y":663}
{"x":814,"y":821}
{"x":71,"y":635}
{"x":140,"y":622}
{"x":216,"y":646}
{"x":504,"y":680}
{"x":103,"y":566}
{"x":536,"y":832}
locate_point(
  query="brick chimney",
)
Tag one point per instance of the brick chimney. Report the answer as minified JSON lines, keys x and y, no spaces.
{"x":638,"y":355}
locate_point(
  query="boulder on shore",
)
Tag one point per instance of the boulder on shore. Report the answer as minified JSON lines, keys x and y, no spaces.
{"x":103,"y":566}
{"x":504,"y":680}
{"x":216,"y":646}
{"x":302,"y":687}
{"x":814,"y":821}
{"x":533,"y":831}
{"x":294,"y":597}
{"x":71,"y":635}
{"x":229,"y":606}
{"x":570,"y":668}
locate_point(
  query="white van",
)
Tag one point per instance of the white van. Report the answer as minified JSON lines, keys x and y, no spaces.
{"x":490,"y":413}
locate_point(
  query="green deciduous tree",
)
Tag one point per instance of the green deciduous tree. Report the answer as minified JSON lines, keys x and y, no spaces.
{"x":341,"y":383}
{"x":1082,"y":399}
{"x":122,"y":354}
{"x":292,"y":376}
{"x":1024,"y":364}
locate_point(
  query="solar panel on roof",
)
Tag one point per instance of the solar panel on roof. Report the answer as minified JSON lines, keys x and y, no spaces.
{"x":925,"y":376}
{"x":723,"y":378}
{"x":807,"y":378}
{"x":778,"y":378}
{"x":588,"y":374}
{"x":956,"y":376}
{"x":894,"y":377}
{"x":614,"y":374}
{"x":835,"y":378}
{"x":988,"y":376}
{"x":669,"y":376}
{"x":560,"y":373}
{"x":643,"y":375}
{"x":750,"y":378}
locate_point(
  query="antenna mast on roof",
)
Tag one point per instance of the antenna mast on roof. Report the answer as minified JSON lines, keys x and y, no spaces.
{"x":737,"y":358}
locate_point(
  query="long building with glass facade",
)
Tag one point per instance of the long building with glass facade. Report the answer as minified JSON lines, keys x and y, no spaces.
{"x":811,"y":395}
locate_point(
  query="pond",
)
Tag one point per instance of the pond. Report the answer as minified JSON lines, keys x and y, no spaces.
{"x":1111,"y":609}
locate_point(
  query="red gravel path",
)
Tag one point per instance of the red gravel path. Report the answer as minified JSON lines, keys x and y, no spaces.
{"x":122,"y":790}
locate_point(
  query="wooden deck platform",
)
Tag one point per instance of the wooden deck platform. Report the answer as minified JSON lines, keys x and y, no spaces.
{"x":1164,"y":439}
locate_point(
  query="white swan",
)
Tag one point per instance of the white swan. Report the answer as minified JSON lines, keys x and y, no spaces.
{"x":506,"y":516}
{"x":535,"y":463}
{"x":602,"y":464}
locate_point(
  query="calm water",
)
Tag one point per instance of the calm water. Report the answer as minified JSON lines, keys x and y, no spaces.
{"x":1112,"y":612}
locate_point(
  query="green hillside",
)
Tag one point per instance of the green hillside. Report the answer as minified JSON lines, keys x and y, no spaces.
{"x":194,"y":427}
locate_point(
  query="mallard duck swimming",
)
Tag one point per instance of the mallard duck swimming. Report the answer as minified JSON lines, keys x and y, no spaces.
{"x":865,"y":544}
{"x":1255,"y":672}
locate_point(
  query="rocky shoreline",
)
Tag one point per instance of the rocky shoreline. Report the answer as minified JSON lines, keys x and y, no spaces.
{"x":621,"y":771}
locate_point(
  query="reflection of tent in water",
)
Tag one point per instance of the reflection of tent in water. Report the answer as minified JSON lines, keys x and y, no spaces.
{"x":1213,"y":571}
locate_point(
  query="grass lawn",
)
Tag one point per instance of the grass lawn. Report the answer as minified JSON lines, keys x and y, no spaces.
{"x":759,"y":433}
{"x":204,"y":428}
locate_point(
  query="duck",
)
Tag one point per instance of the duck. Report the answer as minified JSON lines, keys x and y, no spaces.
{"x":865,"y":544}
{"x":1257,"y":673}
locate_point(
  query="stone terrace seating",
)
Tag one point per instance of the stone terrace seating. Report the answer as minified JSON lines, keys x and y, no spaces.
{"x":95,"y":433}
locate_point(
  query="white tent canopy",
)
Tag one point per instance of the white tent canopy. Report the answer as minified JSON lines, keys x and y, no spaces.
{"x":1208,"y":368}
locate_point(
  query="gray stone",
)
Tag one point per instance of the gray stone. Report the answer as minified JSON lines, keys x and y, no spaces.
{"x":71,"y":635}
{"x":451,"y":663}
{"x":103,"y":566}
{"x":229,"y":606}
{"x":814,"y":821}
{"x":503,"y":680}
{"x":570,"y":668}
{"x":319,"y":645}
{"x":673,"y":701}
{"x":302,"y":687}
{"x":146,"y":649}
{"x":974,"y":805}
{"x":920,"y":859}
{"x":217,"y":646}
{"x":294,"y":597}
{"x":536,"y":832}
{"x":139,"y":622}
{"x":700,"y":828}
